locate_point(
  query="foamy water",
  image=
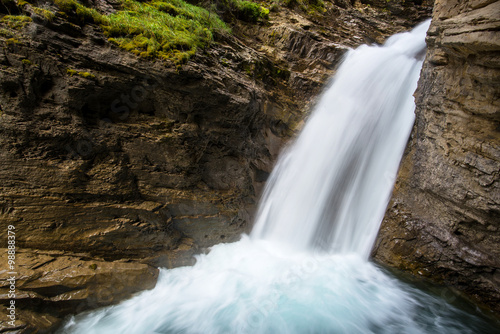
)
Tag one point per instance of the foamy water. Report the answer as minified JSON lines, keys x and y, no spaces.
{"x":305,"y":267}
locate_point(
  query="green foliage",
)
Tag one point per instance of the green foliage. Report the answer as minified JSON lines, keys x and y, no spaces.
{"x":171,"y":30}
{"x":26,"y":62}
{"x":6,"y":33}
{"x":250,"y":11}
{"x":85,"y":75}
{"x":47,"y":14}
{"x":16,"y":21}
{"x":85,"y":14}
{"x":12,"y":41}
{"x":243,"y":10}
{"x":167,"y":30}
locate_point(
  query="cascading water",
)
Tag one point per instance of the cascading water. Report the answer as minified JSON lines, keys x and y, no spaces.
{"x":332,"y":186}
{"x":304,"y":269}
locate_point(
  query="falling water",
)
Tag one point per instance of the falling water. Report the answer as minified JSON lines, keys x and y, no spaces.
{"x":304,"y":269}
{"x":331,"y":187}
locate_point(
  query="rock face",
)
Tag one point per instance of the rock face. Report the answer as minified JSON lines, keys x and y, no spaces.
{"x":444,"y":218}
{"x":106,"y":157}
{"x":54,"y":284}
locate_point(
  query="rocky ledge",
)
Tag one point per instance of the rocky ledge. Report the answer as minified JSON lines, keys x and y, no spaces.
{"x":444,"y":218}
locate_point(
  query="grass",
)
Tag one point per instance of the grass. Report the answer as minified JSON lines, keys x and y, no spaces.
{"x":170,"y":30}
{"x":16,"y":22}
{"x":45,"y":13}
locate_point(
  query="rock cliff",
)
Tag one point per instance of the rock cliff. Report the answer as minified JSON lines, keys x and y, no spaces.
{"x":444,"y":218}
{"x":113,"y":165}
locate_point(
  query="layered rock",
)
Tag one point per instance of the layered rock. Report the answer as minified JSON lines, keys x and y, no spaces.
{"x":109,"y":157}
{"x":444,"y":218}
{"x":51,"y":284}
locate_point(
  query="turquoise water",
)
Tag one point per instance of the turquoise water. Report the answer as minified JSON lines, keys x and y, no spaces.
{"x":305,"y":267}
{"x":252,"y":286}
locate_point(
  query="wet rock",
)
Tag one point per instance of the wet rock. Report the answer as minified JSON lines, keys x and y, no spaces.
{"x":146,"y":163}
{"x":445,"y":212}
{"x":52,"y":284}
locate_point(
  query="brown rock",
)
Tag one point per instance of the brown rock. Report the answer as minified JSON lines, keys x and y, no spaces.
{"x":49,"y":285}
{"x":144,"y":162}
{"x":444,"y":218}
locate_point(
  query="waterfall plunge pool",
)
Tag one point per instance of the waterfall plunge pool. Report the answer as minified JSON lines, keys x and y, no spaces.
{"x":305,"y":268}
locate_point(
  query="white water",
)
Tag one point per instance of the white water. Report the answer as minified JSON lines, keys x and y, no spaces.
{"x":305,"y":268}
{"x":331,"y":188}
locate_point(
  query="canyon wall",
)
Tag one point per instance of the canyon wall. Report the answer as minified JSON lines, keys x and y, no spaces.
{"x":112,"y":165}
{"x":444,"y":218}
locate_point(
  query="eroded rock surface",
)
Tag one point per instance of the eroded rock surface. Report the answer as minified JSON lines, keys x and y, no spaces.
{"x":51,"y":284}
{"x":444,"y":218}
{"x":115,"y":157}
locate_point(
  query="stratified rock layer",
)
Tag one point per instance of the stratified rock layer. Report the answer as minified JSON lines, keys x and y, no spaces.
{"x":50,"y":284}
{"x":106,"y":156}
{"x":444,"y":218}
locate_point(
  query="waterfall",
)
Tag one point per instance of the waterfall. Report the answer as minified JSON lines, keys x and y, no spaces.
{"x":304,"y":269}
{"x":331,"y":187}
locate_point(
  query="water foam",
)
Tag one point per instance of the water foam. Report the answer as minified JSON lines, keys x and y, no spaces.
{"x":304,"y":269}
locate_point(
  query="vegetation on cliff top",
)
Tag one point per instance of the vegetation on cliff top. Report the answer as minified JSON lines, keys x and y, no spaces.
{"x":171,"y":30}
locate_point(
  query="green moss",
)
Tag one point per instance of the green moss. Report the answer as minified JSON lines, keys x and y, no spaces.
{"x":6,"y":33}
{"x":170,"y":30}
{"x":244,"y":10}
{"x":225,"y":62}
{"x":251,"y":11}
{"x":85,"y":75}
{"x":26,"y":62}
{"x":47,"y":14}
{"x":84,"y":14}
{"x":93,"y":266}
{"x":12,"y":41}
{"x":16,"y":21}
